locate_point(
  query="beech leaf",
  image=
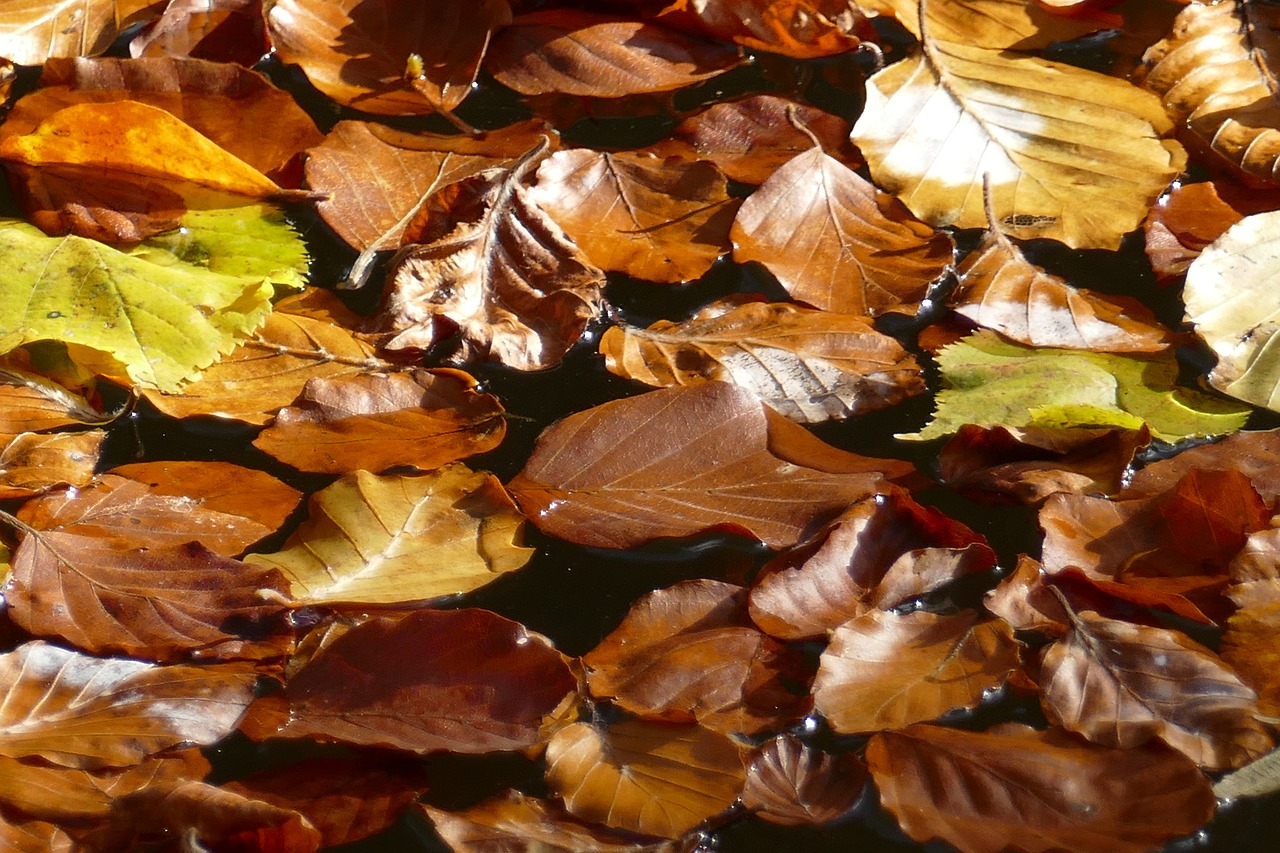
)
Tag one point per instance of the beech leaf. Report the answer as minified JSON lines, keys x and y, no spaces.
{"x":681,"y":461}
{"x":793,"y":784}
{"x":394,"y":539}
{"x":803,"y":30}
{"x":31,"y":464}
{"x":30,"y":32}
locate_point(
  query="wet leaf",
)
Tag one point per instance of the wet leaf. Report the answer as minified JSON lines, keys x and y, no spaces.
{"x":32,"y":403}
{"x":994,"y":24}
{"x":33,"y":32}
{"x":492,"y":265}
{"x":1013,"y":788}
{"x":35,"y":836}
{"x":663,"y":220}
{"x":1253,"y":453}
{"x":225,"y":30}
{"x":683,"y":460}
{"x":466,"y":681}
{"x":885,"y":671}
{"x":988,"y":382}
{"x":1256,"y":779}
{"x":795,"y":28}
{"x":793,"y":784}
{"x":84,"y":712}
{"x":808,"y":365}
{"x":31,"y":464}
{"x":1191,"y":216}
{"x":836,"y":242}
{"x":599,"y":56}
{"x":395,"y":539}
{"x":654,"y":778}
{"x":1251,"y":643}
{"x":937,"y":122}
{"x":418,"y":418}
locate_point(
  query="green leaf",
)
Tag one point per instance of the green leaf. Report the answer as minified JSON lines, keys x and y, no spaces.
{"x":990,"y":382}
{"x":118,"y":314}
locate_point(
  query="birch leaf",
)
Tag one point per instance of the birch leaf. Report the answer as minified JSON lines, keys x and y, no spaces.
{"x":1072,"y":155}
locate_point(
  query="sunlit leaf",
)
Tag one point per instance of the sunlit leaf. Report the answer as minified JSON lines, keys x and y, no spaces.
{"x":31,"y":463}
{"x":793,"y":784}
{"x":32,"y":403}
{"x":804,"y":29}
{"x":32,"y":31}
{"x":994,"y":24}
{"x":225,"y":30}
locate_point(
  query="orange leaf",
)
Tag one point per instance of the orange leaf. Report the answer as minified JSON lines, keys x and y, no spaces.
{"x":221,"y":30}
{"x":792,"y":784}
{"x":33,"y":403}
{"x":32,"y":464}
{"x":802,"y":29}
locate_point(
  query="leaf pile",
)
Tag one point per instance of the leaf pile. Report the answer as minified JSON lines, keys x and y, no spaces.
{"x":745,"y":312}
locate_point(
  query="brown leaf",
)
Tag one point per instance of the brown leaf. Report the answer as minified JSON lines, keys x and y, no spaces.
{"x":654,"y":778}
{"x":34,"y":32}
{"x":1121,"y":684}
{"x":377,"y":178}
{"x":1191,"y":216}
{"x":750,"y":138}
{"x":32,"y":403}
{"x":1217,"y":74}
{"x":84,"y":712}
{"x":31,"y":464}
{"x":1029,"y":464}
{"x":681,"y":461}
{"x":664,"y":220}
{"x":1253,"y":454}
{"x":877,"y":554}
{"x":1015,"y":789}
{"x":809,"y":365}
{"x":802,"y":29}
{"x":599,"y":56}
{"x":34,"y":836}
{"x":389,"y":57}
{"x":792,"y":784}
{"x":420,"y":418}
{"x":886,"y":671}
{"x":219,"y":30}
{"x":493,"y":265}
{"x":467,"y":681}
{"x":305,"y":337}
{"x":836,"y":242}
{"x":687,"y":653}
{"x":1251,"y":643}
{"x":345,"y":799}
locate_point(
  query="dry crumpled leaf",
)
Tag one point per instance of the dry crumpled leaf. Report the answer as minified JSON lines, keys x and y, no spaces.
{"x":836,"y":242}
{"x":473,"y":682}
{"x":1217,"y":75}
{"x":663,"y":220}
{"x":79,"y":711}
{"x":1231,"y":300}
{"x":879,"y":553}
{"x":391,"y":540}
{"x":491,"y":264}
{"x":31,"y":464}
{"x":688,"y":653}
{"x":421,"y":418}
{"x":1072,"y":155}
{"x":1121,"y":684}
{"x":681,"y":461}
{"x":391,"y":57}
{"x":1015,"y":789}
{"x":808,"y":365}
{"x":654,"y":778}
{"x":793,"y":784}
{"x":599,"y":56}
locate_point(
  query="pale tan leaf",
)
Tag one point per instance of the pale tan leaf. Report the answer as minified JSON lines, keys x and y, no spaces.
{"x":1258,"y":778}
{"x":994,"y":24}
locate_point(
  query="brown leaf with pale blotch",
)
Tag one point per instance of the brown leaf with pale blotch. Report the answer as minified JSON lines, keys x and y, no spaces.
{"x":420,"y":418}
{"x":809,"y":365}
{"x":883,"y":670}
{"x":599,"y":56}
{"x":492,"y":265}
{"x":78,"y":711}
{"x":1015,"y":790}
{"x":793,"y":784}
{"x":836,"y":242}
{"x":654,"y":778}
{"x":466,"y":681}
{"x":688,"y":653}
{"x":663,"y":220}
{"x":362,"y":53}
{"x":681,"y":461}
{"x":1121,"y":684}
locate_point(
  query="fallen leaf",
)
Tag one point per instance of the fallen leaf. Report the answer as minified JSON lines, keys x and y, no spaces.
{"x":1015,"y":789}
{"x":32,"y":464}
{"x":1217,"y":75}
{"x":35,"y":836}
{"x":663,"y":220}
{"x":599,"y":56}
{"x":391,"y":57}
{"x":33,"y":32}
{"x":802,"y":29}
{"x":681,"y":461}
{"x":33,"y":403}
{"x":988,"y":382}
{"x":78,"y":711}
{"x":792,"y":784}
{"x":465,"y":681}
{"x":654,"y":778}
{"x":939,"y":121}
{"x":221,"y":30}
{"x":491,"y":264}
{"x":1256,"y":779}
{"x":1190,"y":217}
{"x":394,"y":539}
{"x":222,"y":487}
{"x":1253,"y":453}
{"x":808,"y":365}
{"x":886,"y":671}
{"x":992,"y":24}
{"x":836,"y":242}
{"x":419,"y":418}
